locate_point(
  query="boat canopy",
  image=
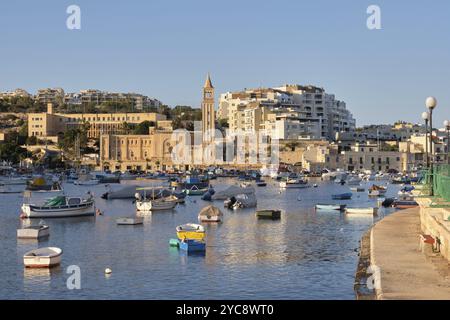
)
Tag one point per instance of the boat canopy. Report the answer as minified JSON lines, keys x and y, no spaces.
{"x":210,"y":211}
{"x":233,"y":191}
{"x":56,"y":201}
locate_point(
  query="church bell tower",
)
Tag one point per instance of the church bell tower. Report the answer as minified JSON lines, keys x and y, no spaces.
{"x":208,"y":116}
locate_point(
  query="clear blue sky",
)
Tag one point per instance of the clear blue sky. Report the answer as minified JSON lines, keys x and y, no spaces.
{"x":165,"y":48}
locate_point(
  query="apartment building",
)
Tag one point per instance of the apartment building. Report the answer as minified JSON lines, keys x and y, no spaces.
{"x":50,"y":124}
{"x":97,"y":97}
{"x":17,"y":93}
{"x":300,"y":107}
{"x":50,"y":95}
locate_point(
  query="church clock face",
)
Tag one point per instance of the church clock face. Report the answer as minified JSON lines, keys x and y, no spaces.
{"x":208,"y":94}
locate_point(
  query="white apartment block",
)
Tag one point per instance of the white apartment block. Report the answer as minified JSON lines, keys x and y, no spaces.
{"x":50,"y":95}
{"x":139,"y":101}
{"x":18,"y":93}
{"x":293,"y":111}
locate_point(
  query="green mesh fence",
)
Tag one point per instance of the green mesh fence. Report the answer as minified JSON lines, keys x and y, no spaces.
{"x":441,"y":182}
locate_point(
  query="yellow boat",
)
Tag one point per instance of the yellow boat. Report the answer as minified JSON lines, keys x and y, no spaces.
{"x":191,"y":231}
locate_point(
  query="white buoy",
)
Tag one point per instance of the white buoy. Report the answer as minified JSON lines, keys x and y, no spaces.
{"x":108,"y":271}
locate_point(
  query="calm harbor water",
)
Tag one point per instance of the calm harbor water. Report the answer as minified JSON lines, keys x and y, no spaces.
{"x":305,"y":255}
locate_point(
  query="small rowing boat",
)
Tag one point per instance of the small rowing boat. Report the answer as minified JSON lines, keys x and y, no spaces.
{"x":342,"y":196}
{"x":33,"y":232}
{"x":190,"y":231}
{"x":362,"y":211}
{"x":268,"y":214}
{"x":42,"y":258}
{"x":331,"y":207}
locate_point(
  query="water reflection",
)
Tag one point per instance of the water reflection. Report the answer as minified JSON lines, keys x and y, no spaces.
{"x":295,"y":257}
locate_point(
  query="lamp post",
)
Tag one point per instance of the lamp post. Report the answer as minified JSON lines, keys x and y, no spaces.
{"x":447,"y":127}
{"x":427,"y":159}
{"x":431,"y":103}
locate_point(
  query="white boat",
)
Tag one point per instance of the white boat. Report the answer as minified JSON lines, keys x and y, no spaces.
{"x":43,"y":258}
{"x":294,"y":184}
{"x":354,"y":181}
{"x":152,"y":204}
{"x":33,"y":232}
{"x":86,"y":180}
{"x":357,"y":189}
{"x":210,"y":214}
{"x":60,"y":207}
{"x":130,"y":221}
{"x":330,"y":207}
{"x":376,"y":191}
{"x":364,"y":211}
{"x":155,"y":205}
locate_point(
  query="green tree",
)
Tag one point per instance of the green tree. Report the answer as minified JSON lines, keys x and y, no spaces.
{"x":143,"y":127}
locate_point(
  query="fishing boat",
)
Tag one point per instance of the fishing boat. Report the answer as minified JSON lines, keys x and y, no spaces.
{"x":294,"y":184}
{"x":342,"y":196}
{"x":261,"y":183}
{"x":190,"y":245}
{"x":190,"y":231}
{"x":405,"y":204}
{"x":195,"y":191}
{"x":268,"y":214}
{"x":210,"y":214}
{"x":362,"y":211}
{"x":154,"y":204}
{"x":376,"y":191}
{"x":130,"y":221}
{"x":33,"y":232}
{"x":357,"y":189}
{"x":60,"y":207}
{"x":43,"y":258}
{"x":331,"y":207}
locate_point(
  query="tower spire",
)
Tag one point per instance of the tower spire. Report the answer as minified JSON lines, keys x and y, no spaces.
{"x":208,"y":83}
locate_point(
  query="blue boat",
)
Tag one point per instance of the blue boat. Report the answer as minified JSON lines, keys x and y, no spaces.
{"x":193,"y":246}
{"x":342,"y":196}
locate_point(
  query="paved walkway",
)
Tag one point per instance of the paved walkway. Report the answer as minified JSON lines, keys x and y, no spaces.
{"x":406,"y":273}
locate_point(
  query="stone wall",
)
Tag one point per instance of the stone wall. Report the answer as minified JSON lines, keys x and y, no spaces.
{"x":436,"y":223}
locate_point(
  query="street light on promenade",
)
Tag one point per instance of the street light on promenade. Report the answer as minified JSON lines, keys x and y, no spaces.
{"x":447,"y":128}
{"x":431,"y":103}
{"x":427,"y":159}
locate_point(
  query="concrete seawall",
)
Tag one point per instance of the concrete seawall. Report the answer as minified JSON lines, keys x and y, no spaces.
{"x":404,"y":271}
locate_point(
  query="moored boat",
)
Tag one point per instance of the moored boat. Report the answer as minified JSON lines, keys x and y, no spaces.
{"x":405,"y":204}
{"x":268,"y":214}
{"x":362,"y":211}
{"x":376,"y":191}
{"x":331,"y":207}
{"x":342,"y":196}
{"x":60,"y":207}
{"x":210,"y":214}
{"x":33,"y":232}
{"x":154,"y":204}
{"x":190,"y":245}
{"x":357,"y":189}
{"x":294,"y":184}
{"x":190,"y":231}
{"x":130,"y":221}
{"x":195,"y":191}
{"x":43,"y":258}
